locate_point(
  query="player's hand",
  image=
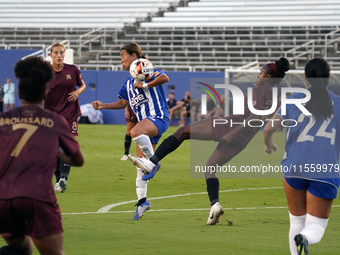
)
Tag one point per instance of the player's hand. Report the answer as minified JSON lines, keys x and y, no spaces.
{"x":138,"y":84}
{"x":271,"y":148}
{"x":97,"y":105}
{"x":227,"y":138}
{"x":73,"y":96}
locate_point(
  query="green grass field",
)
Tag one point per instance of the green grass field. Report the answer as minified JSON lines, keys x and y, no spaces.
{"x":176,"y":223}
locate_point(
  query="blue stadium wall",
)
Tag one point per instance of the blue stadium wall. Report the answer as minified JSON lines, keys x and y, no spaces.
{"x":104,"y":85}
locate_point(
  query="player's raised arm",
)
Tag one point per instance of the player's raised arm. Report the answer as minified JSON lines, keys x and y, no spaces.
{"x":268,"y":131}
{"x":98,"y":105}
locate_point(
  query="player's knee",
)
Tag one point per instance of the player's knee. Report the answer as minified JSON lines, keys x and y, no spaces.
{"x":182,"y":133}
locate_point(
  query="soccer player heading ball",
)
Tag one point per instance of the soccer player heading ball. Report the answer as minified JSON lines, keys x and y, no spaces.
{"x":231,"y":139}
{"x":147,"y":100}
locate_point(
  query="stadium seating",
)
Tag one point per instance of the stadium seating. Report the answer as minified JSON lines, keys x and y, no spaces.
{"x":76,"y":14}
{"x":250,"y":13}
{"x":205,"y":34}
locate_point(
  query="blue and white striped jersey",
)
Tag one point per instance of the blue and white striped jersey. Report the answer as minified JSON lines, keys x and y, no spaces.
{"x":148,"y":102}
{"x":312,"y":146}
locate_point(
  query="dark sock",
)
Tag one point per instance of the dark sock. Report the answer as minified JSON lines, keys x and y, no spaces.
{"x":64,"y":169}
{"x":6,"y":250}
{"x":127,"y":144}
{"x":57,"y":171}
{"x":167,"y":146}
{"x":213,"y":187}
{"x":141,"y":201}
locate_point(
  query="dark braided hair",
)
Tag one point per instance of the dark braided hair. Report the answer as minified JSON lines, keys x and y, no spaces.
{"x":33,"y":73}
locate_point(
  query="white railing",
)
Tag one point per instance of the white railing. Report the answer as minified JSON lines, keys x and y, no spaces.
{"x":83,"y":42}
{"x":3,"y":45}
{"x":331,"y":41}
{"x":296,"y":55}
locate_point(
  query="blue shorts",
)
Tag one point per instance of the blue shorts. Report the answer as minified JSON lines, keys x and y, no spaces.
{"x":162,"y":126}
{"x":316,"y":188}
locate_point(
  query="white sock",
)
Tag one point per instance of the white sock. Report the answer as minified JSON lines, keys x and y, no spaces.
{"x":297,"y":223}
{"x":141,"y":185}
{"x":314,"y":229}
{"x":144,"y":143}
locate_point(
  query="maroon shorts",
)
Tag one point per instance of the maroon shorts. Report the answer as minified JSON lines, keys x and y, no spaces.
{"x":237,"y":144}
{"x":133,"y":117}
{"x":74,"y":127}
{"x":27,"y":216}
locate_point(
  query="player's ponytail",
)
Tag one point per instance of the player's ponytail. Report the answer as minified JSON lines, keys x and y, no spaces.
{"x":33,"y":73}
{"x":277,"y":70}
{"x":317,"y":73}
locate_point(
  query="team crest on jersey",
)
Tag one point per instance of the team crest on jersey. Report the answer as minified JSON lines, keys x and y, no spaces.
{"x":138,"y":100}
{"x":68,"y":77}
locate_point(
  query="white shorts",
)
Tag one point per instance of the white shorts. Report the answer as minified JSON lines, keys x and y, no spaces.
{"x":9,"y":99}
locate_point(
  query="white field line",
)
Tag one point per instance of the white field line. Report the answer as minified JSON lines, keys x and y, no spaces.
{"x":106,"y":208}
{"x":193,"y":209}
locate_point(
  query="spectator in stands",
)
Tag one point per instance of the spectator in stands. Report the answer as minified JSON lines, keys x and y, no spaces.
{"x":2,"y":93}
{"x":29,"y":212}
{"x":9,"y":97}
{"x":172,"y":104}
{"x":62,"y":98}
{"x":185,"y":109}
{"x":211,"y":110}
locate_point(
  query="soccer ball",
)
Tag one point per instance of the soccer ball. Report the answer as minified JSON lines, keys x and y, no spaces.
{"x":141,"y":69}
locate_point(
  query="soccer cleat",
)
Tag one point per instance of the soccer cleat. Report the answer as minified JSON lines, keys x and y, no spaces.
{"x":301,"y":244}
{"x":57,"y":187}
{"x":141,"y":209}
{"x":141,"y":163}
{"x":62,"y":185}
{"x":124,"y":158}
{"x":215,"y":213}
{"x":154,"y":170}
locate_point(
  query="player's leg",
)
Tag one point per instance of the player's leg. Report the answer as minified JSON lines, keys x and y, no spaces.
{"x":141,"y":134}
{"x":65,"y":168}
{"x":19,"y":246}
{"x":141,"y":189}
{"x":200,"y":130}
{"x":297,"y":204}
{"x":127,"y":140}
{"x":319,"y":202}
{"x":50,"y":245}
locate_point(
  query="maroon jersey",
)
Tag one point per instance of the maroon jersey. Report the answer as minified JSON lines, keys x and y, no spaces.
{"x":29,"y":140}
{"x":61,"y":86}
{"x":262,"y":100}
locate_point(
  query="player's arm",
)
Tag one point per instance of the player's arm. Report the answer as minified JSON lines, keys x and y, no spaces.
{"x":98,"y":105}
{"x":76,"y":159}
{"x":268,"y":131}
{"x":73,"y":96}
{"x":163,"y":78}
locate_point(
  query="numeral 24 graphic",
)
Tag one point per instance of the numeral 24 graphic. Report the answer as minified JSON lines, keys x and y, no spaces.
{"x":321,"y":132}
{"x":30,"y":129}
